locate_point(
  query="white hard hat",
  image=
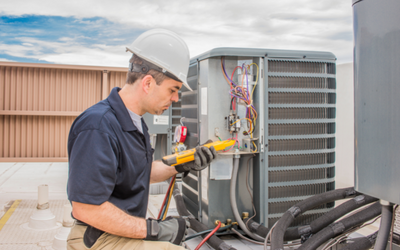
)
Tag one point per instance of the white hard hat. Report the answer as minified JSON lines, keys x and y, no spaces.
{"x":166,"y":50}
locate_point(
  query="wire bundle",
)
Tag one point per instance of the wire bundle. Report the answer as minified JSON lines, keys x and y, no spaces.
{"x":242,"y":92}
{"x":167,"y":199}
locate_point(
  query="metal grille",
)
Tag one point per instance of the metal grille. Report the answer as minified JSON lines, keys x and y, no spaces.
{"x":301,"y":144}
{"x":301,"y":129}
{"x":301,"y":113}
{"x":300,"y":190}
{"x":282,"y":207}
{"x":301,"y":82}
{"x":300,"y":160}
{"x":301,"y":175}
{"x":301,"y":98}
{"x":301,"y":67}
{"x":299,"y":221}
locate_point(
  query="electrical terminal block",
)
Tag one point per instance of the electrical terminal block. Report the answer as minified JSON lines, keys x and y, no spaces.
{"x":233,"y":123}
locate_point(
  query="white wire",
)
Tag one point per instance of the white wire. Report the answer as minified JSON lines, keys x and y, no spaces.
{"x":268,"y":235}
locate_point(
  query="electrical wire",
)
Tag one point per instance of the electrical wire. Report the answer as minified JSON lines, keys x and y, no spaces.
{"x":208,"y":236}
{"x":245,"y":238}
{"x":268,"y":236}
{"x":165,"y":198}
{"x":170,"y":198}
{"x":207,"y":231}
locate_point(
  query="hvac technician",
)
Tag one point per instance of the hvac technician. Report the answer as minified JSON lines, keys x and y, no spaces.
{"x":110,"y":156}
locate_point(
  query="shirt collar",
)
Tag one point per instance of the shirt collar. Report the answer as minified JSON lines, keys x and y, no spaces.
{"x":120,"y":110}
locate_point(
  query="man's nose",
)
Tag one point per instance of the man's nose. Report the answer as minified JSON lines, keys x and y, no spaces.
{"x":175,"y":97}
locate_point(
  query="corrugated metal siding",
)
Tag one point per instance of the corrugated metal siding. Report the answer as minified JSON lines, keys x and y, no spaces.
{"x":49,"y":89}
{"x":34,"y":136}
{"x":116,"y":79}
{"x":39,"y":103}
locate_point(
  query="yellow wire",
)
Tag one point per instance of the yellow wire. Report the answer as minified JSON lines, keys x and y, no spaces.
{"x":251,"y":96}
{"x":254,"y":147}
{"x":169,"y":200}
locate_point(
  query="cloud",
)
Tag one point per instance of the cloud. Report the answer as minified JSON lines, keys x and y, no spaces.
{"x":105,"y":27}
{"x":5,"y":60}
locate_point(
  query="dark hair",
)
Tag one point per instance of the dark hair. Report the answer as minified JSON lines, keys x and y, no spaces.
{"x":132,"y":77}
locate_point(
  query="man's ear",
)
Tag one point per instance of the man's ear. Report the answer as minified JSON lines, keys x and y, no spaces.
{"x":146,"y":83}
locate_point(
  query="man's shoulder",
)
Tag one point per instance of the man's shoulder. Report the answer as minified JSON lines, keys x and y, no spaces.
{"x":97,"y":117}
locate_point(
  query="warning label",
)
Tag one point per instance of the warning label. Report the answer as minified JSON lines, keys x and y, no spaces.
{"x":161,"y":120}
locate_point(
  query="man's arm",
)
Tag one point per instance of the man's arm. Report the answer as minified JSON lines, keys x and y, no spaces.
{"x":161,"y":172}
{"x":110,"y":219}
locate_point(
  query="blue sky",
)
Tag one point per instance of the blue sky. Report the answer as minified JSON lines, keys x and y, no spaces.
{"x":97,"y":32}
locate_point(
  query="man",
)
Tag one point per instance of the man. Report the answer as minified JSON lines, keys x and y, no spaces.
{"x":110,"y":156}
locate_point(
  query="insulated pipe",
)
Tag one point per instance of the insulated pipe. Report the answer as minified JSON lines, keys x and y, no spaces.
{"x":319,"y":223}
{"x":197,"y":226}
{"x":361,"y":243}
{"x":301,"y":207}
{"x":341,"y":226}
{"x":232,"y":195}
{"x":384,"y":228}
{"x":256,"y":228}
{"x":329,"y":217}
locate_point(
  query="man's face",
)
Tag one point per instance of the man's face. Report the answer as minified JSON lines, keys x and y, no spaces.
{"x":161,"y":96}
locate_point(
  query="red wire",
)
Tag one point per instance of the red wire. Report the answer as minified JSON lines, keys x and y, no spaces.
{"x":165,"y":198}
{"x":208,"y":236}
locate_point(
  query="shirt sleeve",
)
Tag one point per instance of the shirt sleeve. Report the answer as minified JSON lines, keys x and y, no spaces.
{"x":93,"y":163}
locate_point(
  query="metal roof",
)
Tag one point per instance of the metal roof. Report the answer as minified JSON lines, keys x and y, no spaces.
{"x":270,"y":53}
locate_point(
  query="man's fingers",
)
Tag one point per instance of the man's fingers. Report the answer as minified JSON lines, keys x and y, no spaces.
{"x":208,"y":154}
{"x":202,"y":157}
{"x":214,"y":152}
{"x":197,"y":157}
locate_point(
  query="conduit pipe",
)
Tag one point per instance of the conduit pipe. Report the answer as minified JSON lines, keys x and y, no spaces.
{"x":301,"y":207}
{"x":233,"y":200}
{"x":384,"y":228}
{"x":341,"y":226}
{"x":197,"y":226}
{"x":361,"y":243}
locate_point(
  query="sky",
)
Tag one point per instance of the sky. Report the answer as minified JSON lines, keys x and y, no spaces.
{"x":88,"y":32}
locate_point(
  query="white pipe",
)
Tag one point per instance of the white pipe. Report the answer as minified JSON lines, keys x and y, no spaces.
{"x":233,"y":200}
{"x":67,"y":218}
{"x":43,"y":197}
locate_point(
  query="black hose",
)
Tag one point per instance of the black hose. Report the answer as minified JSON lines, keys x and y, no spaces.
{"x":361,"y":243}
{"x":256,"y":228}
{"x":341,"y":226}
{"x":307,"y":204}
{"x":384,"y":228}
{"x":328,"y":218}
{"x":196,"y":225}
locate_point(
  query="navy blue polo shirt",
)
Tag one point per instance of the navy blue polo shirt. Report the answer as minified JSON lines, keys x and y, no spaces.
{"x":109,"y":159}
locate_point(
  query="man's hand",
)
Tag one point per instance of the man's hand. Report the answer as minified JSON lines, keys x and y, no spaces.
{"x":171,"y":229}
{"x":202,"y":158}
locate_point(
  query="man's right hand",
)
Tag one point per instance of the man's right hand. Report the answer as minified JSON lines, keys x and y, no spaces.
{"x":171,"y":229}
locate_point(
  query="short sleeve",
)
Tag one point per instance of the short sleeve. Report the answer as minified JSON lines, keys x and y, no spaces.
{"x":93,"y":163}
